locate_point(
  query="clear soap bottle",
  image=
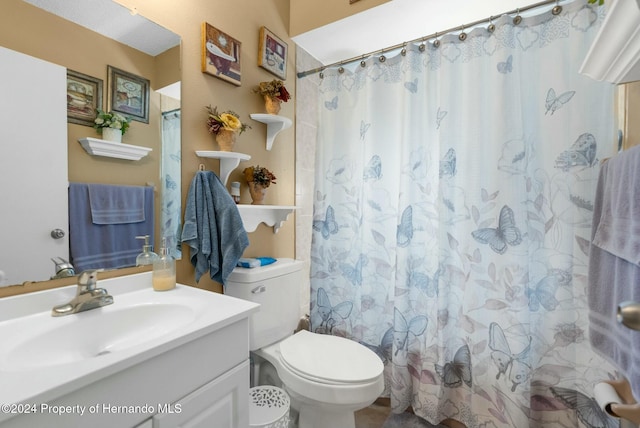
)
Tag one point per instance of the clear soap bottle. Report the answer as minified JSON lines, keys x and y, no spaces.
{"x":164,"y":270}
{"x":147,"y":256}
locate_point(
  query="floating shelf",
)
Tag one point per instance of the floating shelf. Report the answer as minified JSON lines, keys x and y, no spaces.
{"x":228,"y":161}
{"x":274,"y":123}
{"x":97,"y":147}
{"x":271,"y":215}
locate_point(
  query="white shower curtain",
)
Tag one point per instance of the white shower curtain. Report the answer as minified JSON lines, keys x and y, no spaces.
{"x":452,"y":213}
{"x":171,"y":225}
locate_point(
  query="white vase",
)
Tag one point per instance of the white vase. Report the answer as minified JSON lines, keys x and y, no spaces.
{"x":112,"y":134}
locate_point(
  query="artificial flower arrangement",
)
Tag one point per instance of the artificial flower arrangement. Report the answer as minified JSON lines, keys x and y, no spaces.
{"x":227,"y":120}
{"x":259,"y":175}
{"x":111,"y":120}
{"x":274,"y":89}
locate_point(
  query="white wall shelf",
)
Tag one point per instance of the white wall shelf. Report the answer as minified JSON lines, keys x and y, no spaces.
{"x":271,"y":215}
{"x":228,"y":161}
{"x":274,"y":123}
{"x":97,"y":147}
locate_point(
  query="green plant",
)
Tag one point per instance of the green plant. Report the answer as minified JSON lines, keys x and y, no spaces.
{"x":273,"y":89}
{"x":227,"y":120}
{"x":260,"y":175}
{"x":600,"y":2}
{"x":111,"y":120}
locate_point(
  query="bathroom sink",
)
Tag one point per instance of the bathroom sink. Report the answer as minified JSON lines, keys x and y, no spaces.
{"x":96,"y":333}
{"x":121,"y":354}
{"x":43,"y":357}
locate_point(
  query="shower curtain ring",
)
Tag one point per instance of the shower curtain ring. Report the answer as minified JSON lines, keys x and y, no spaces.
{"x":363,"y":63}
{"x":436,"y":42}
{"x":491,"y":27}
{"x":382,"y":58}
{"x":557,"y":8}
{"x":321,"y":74}
{"x":518,"y":19}
{"x":462,"y":36}
{"x":422,"y":46}
{"x":403,"y":52}
{"x":341,"y":69}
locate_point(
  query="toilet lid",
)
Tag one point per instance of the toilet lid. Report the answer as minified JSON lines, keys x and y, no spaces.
{"x":329,"y":359}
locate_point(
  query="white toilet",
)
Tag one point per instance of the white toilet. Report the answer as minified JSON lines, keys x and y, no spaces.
{"x":328,"y":378}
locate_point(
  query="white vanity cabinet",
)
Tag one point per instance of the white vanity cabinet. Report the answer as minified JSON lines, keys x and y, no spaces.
{"x":194,"y":376}
{"x":204,"y":383}
{"x":220,"y":403}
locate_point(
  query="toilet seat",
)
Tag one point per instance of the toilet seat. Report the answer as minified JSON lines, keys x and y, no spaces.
{"x":329,"y":359}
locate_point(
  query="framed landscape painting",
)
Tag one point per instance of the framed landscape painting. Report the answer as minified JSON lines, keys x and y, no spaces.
{"x":272,"y":55}
{"x":84,"y":98}
{"x":220,"y":55}
{"x":128,"y":94}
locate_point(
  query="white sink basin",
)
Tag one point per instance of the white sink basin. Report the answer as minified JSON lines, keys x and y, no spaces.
{"x":95,"y":333}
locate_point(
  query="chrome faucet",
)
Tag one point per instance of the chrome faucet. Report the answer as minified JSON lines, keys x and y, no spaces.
{"x":88,"y":296}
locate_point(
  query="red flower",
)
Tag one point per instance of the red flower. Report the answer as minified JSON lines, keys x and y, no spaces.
{"x":283,"y":94}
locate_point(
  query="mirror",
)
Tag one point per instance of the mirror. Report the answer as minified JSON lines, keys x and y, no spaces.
{"x":79,"y":47}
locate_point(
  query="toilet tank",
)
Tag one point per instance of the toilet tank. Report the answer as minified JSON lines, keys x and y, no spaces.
{"x":276,"y":287}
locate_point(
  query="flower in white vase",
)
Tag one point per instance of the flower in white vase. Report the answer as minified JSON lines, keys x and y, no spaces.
{"x":111,"y":120}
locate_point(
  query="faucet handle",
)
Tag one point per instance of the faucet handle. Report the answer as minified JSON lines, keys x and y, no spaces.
{"x":89,"y":279}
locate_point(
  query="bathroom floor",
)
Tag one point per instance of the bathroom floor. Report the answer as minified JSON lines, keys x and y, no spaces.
{"x":373,"y":416}
{"x":379,"y":415}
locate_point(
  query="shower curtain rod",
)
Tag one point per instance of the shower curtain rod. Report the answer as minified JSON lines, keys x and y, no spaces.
{"x":302,"y":74}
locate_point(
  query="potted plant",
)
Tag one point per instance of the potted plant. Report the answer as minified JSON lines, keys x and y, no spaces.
{"x":258,"y":178}
{"x":226,"y":126}
{"x":112,"y":126}
{"x":274,"y":93}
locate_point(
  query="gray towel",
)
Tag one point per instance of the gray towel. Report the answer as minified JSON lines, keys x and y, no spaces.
{"x":213,"y":228}
{"x":619,"y":229}
{"x":116,"y":204}
{"x":612,"y":279}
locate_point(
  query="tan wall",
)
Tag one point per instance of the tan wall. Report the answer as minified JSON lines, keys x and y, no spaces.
{"x":631,"y":108}
{"x":243,"y":22}
{"x":165,"y":66}
{"x":307,"y":15}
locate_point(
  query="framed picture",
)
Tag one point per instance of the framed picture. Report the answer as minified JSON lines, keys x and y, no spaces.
{"x":84,"y":98}
{"x":220,"y":55}
{"x":128,"y":94}
{"x":272,"y":55}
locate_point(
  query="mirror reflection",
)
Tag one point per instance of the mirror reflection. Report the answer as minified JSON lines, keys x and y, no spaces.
{"x":35,"y":229}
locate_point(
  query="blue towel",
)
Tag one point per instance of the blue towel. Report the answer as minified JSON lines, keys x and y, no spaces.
{"x":116,"y":204}
{"x":212,"y":228}
{"x":104,"y":246}
{"x":614,"y":275}
{"x":255,"y":262}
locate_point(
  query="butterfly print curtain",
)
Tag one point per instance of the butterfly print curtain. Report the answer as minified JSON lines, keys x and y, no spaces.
{"x":452,"y":213}
{"x":171,"y":225}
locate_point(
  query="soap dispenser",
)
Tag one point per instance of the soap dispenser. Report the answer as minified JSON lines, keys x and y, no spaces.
{"x":164,"y":270}
{"x":146,"y":257}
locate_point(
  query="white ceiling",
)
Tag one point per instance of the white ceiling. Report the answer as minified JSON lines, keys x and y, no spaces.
{"x":114,"y":21}
{"x":396,"y":22}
